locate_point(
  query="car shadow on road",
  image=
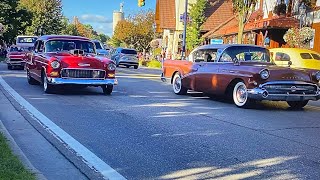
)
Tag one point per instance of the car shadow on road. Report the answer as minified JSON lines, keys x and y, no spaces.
{"x":256,"y":105}
{"x":78,"y":91}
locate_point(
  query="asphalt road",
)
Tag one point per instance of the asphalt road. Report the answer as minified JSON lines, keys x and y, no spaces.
{"x":145,"y":131}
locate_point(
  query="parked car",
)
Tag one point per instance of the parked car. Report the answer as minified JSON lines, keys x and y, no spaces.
{"x":16,"y":55}
{"x":125,"y":57}
{"x":243,"y":72}
{"x":26,"y":41}
{"x":69,"y":60}
{"x":100,"y":48}
{"x":296,"y":57}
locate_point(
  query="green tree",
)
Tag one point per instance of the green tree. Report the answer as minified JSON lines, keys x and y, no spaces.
{"x":136,"y":31}
{"x":197,"y":16}
{"x":47,"y":15}
{"x":69,"y":28}
{"x":102,"y":37}
{"x":14,"y":19}
{"x":113,"y":42}
{"x":242,"y":8}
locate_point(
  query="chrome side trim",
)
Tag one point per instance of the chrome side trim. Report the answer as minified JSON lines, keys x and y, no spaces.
{"x":40,"y":62}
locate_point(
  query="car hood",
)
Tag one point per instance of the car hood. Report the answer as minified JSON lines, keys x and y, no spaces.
{"x":17,"y":53}
{"x":278,"y":73}
{"x":88,"y":61}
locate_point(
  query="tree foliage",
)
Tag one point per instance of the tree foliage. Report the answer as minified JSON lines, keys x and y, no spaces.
{"x":102,"y":38}
{"x":69,"y":28}
{"x":14,"y":19}
{"x":136,"y":31}
{"x":197,"y":16}
{"x":47,"y":15}
{"x":242,"y":8}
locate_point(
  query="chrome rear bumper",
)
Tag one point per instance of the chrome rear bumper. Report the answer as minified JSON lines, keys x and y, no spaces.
{"x":90,"y":82}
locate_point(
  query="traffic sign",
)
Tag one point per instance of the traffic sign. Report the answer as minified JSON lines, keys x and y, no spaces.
{"x":216,"y":41}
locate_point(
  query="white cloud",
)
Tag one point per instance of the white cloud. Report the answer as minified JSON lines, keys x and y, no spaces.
{"x":100,"y":23}
{"x":94,"y":18}
{"x":105,"y":28}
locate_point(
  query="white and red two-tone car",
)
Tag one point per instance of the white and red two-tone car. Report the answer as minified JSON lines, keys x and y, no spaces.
{"x":16,"y":55}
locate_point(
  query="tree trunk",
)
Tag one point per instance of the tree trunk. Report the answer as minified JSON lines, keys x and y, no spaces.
{"x":241,"y":27}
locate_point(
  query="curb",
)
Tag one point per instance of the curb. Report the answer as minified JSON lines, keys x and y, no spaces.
{"x":18,"y":152}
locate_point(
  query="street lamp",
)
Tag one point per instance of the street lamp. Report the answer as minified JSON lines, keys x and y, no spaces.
{"x":185,"y":18}
{"x":302,"y":11}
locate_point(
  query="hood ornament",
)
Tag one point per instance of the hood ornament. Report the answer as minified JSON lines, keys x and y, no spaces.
{"x":83,"y":65}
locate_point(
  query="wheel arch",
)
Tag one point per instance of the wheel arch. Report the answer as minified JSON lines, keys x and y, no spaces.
{"x":43,"y":72}
{"x":232,"y":83}
{"x":175,"y":72}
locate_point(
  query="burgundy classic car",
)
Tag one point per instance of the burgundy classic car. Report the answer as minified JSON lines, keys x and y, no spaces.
{"x":16,"y":55}
{"x":244,"y":72}
{"x":69,"y":60}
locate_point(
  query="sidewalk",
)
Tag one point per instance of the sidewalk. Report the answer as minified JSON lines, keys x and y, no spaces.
{"x":35,"y":152}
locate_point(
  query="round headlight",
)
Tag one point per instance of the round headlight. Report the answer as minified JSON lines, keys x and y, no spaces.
{"x":111,"y":67}
{"x":317,"y":76}
{"x":264,"y":74}
{"x":55,"y":64}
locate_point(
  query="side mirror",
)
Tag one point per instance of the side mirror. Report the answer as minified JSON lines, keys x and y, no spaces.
{"x":289,"y":63}
{"x":198,"y":60}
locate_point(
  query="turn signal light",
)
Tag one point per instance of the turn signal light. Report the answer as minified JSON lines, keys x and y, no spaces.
{"x":54,"y":73}
{"x":110,"y":75}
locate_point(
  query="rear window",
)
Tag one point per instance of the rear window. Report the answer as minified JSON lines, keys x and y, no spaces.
{"x":305,"y":56}
{"x":128,"y":51}
{"x":282,"y":57}
{"x":315,"y":56}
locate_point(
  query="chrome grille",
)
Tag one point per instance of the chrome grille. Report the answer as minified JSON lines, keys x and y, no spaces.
{"x":82,"y":73}
{"x":15,"y":59}
{"x":290,"y":88}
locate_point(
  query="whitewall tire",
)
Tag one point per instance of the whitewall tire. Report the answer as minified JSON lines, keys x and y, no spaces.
{"x":177,"y":85}
{"x":240,"y":95}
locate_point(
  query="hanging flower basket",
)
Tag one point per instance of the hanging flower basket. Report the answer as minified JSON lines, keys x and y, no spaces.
{"x":299,"y":38}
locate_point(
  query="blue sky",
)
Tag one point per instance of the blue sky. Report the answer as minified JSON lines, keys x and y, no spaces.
{"x":98,"y":13}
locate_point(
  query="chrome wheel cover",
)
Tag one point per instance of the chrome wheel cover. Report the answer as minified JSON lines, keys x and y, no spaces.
{"x":45,"y":84}
{"x":240,"y":95}
{"x":177,"y":84}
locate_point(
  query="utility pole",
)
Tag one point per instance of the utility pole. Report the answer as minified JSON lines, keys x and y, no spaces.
{"x":185,"y":18}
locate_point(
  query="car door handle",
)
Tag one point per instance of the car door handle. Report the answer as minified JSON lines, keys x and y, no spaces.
{"x":231,"y":71}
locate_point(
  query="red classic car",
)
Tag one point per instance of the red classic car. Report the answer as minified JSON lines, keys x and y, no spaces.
{"x":16,"y":55}
{"x":69,"y":60}
{"x":244,"y":72}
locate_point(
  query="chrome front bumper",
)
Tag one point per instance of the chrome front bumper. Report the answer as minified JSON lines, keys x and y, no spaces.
{"x":90,"y":82}
{"x":16,"y":63}
{"x":260,"y":93}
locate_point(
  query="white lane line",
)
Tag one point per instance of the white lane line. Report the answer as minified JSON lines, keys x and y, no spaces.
{"x":88,"y":157}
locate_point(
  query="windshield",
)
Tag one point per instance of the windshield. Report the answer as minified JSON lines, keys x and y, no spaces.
{"x":128,"y":51}
{"x":245,"y":53}
{"x":67,"y":45}
{"x":30,"y":40}
{"x":20,"y":49}
{"x":98,"y":45}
